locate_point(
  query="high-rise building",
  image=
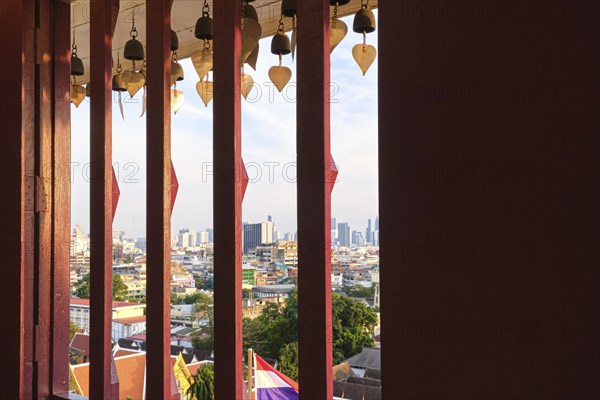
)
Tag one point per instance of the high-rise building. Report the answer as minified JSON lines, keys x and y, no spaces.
{"x":357,"y":239}
{"x":201,"y":238}
{"x":186,"y":238}
{"x":369,"y":232}
{"x":344,"y":234}
{"x":211,"y":235}
{"x":257,"y":234}
{"x":118,"y":236}
{"x":334,"y":231}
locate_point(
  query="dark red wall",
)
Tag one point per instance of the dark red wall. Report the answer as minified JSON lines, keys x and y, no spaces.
{"x":489,"y":199}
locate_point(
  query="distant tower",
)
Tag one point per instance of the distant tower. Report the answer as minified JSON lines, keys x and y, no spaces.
{"x":334,"y":231}
{"x":344,"y":234}
{"x":368,"y":233}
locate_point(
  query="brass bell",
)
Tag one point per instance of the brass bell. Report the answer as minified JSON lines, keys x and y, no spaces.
{"x":338,"y":2}
{"x":281,"y":44}
{"x":117,"y":83}
{"x":204,"y":27}
{"x":364,"y":21}
{"x":174,"y":41}
{"x":76,"y":66}
{"x":176,"y":72}
{"x":288,"y":8}
{"x":250,"y":12}
{"x":134,"y":50}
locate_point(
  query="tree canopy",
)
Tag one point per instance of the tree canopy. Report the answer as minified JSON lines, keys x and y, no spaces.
{"x":202,"y":387}
{"x":119,"y":288}
{"x":359,"y":291}
{"x":274,"y":333}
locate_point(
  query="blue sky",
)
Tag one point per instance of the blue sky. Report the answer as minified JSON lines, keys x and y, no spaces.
{"x":268,"y":147}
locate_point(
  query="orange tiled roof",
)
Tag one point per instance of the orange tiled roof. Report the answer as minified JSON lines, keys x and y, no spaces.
{"x":130,"y":370}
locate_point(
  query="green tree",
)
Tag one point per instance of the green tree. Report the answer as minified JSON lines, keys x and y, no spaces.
{"x":203,"y":305}
{"x":288,"y":358}
{"x":202,"y":388}
{"x":73,"y":329}
{"x":352,"y":327}
{"x":198,"y":282}
{"x":277,"y":328}
{"x":119,"y":288}
{"x":201,"y":343}
{"x":359,"y":291}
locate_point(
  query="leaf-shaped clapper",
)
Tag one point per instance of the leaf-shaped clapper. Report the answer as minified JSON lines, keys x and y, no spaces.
{"x":337,"y":33}
{"x":247,"y":84}
{"x":203,"y":62}
{"x":364,"y":56}
{"x":250,"y":36}
{"x":253,"y":57}
{"x":205,"y":91}
{"x":280,"y":76}
{"x":177,"y":99}
{"x":134,"y":81}
{"x":77,"y":94}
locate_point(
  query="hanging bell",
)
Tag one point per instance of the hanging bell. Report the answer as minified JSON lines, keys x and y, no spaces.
{"x":176,"y":72}
{"x":117,"y":83}
{"x":174,"y":41}
{"x":281,"y":44}
{"x":134,"y":50}
{"x":288,"y":8}
{"x":364,"y":21}
{"x":204,"y":27}
{"x":338,"y":2}
{"x":76,"y":66}
{"x":250,"y":12}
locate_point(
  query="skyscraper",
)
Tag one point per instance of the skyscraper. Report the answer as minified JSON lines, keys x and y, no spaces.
{"x":257,"y":234}
{"x":334,"y":231}
{"x":344,"y":234}
{"x":357,"y":239}
{"x":369,"y":233}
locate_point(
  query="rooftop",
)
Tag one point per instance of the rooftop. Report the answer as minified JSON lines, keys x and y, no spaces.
{"x":115,"y":304}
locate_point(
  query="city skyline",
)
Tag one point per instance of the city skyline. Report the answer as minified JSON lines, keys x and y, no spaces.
{"x":175,"y":231}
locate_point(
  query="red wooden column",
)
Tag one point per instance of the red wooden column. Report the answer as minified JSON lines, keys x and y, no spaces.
{"x":61,"y":194}
{"x":314,"y":201}
{"x":228,"y":195}
{"x":101,"y":200}
{"x":158,"y":198}
{"x":43,"y":211}
{"x":13,"y":198}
